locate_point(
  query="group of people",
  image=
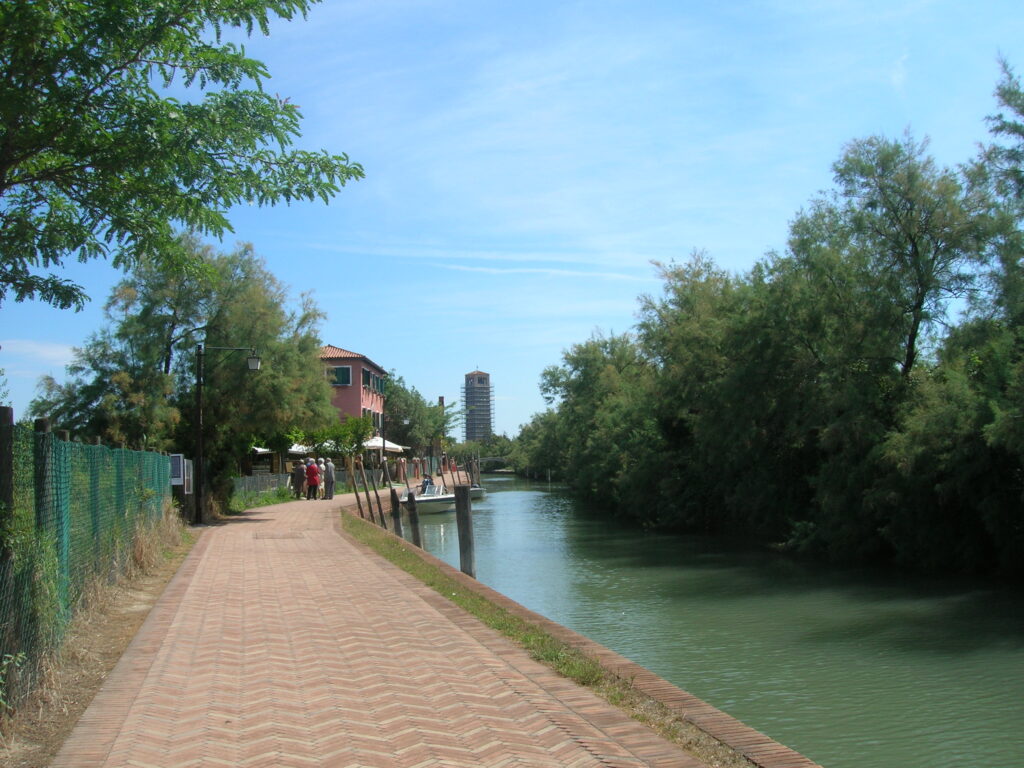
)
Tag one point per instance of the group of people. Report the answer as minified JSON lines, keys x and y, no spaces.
{"x":316,"y":478}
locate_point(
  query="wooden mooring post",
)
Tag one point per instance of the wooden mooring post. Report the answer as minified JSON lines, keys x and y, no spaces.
{"x":396,"y":513}
{"x":366,"y":490}
{"x":414,"y":516}
{"x":351,"y":467}
{"x":414,"y":521}
{"x":464,"y":523}
{"x":380,"y":506}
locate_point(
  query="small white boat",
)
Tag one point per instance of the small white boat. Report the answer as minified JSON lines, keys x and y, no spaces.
{"x":477,"y":492}
{"x":433,"y":498}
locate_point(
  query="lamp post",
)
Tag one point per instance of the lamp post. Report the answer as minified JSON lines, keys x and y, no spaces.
{"x":383,"y":425}
{"x":253,"y":361}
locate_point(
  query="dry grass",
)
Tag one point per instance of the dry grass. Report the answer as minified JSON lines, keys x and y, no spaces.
{"x":107,"y":618}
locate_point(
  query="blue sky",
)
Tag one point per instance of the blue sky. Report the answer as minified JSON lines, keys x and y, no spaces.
{"x":526,"y":162}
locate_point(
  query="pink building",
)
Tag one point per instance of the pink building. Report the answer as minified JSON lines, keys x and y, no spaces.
{"x":357,"y":383}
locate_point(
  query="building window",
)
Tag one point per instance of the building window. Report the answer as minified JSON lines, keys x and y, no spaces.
{"x":372,"y":381}
{"x":340,"y":375}
{"x":481,"y":380}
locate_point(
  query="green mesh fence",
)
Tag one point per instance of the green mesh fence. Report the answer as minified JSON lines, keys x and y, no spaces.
{"x":75,"y":513}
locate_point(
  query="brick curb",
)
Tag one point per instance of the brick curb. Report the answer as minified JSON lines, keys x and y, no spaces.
{"x":752,"y":744}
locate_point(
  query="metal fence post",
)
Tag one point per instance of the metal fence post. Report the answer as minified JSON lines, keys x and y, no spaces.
{"x":41,"y":450}
{"x":6,"y":493}
{"x":60,"y":479}
{"x":94,"y":496}
{"x":6,"y":467}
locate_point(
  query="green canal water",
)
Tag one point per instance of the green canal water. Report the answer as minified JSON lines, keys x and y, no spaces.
{"x":850,"y":668}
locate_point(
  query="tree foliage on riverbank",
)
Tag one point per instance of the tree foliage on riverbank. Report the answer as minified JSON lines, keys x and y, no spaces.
{"x":134,"y":380}
{"x":856,"y":396}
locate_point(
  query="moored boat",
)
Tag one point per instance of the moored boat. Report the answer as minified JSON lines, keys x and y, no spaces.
{"x":433,"y":498}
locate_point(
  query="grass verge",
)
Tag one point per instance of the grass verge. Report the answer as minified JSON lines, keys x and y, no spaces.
{"x":243,"y":500}
{"x":561,"y":657}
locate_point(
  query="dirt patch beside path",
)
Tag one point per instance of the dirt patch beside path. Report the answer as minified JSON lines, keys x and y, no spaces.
{"x":96,"y":640}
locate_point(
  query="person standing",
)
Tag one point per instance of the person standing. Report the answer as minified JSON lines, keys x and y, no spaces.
{"x":329,"y":479}
{"x":321,"y":490}
{"x":312,"y":479}
{"x":298,"y":478}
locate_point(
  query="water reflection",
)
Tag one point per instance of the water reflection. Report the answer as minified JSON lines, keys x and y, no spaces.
{"x":850,"y":667}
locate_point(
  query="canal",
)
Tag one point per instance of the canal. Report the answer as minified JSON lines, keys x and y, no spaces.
{"x":849,"y":667}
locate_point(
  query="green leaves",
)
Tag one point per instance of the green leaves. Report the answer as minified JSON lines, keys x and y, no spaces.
{"x":96,"y":162}
{"x":823,"y":400}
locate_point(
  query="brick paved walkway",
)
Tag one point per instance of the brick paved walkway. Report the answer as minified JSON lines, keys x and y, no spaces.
{"x":279,"y":643}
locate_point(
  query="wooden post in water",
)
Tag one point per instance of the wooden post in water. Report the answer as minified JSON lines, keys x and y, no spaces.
{"x":350,"y":465}
{"x":380,"y":507}
{"x":366,"y":490}
{"x":396,"y":513}
{"x":464,"y":522}
{"x":414,"y":521}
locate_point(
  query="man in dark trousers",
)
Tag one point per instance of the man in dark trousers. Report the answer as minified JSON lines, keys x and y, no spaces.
{"x":298,"y":478}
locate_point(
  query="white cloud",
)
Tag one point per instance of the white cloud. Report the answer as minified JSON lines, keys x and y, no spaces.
{"x":574,"y":273}
{"x":42,"y":352}
{"x":898,"y":73}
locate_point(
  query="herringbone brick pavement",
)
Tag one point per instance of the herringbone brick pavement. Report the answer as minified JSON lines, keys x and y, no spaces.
{"x":279,"y":643}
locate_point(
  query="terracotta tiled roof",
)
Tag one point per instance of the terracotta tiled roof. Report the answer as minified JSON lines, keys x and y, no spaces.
{"x":331,"y":352}
{"x":478,"y":373}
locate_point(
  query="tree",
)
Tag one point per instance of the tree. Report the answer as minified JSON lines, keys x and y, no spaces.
{"x":111,"y":394}
{"x":97,"y":161}
{"x":410,"y":420}
{"x":955,"y":461}
{"x":134,"y":381}
{"x":924,"y":229}
{"x":253,"y":309}
{"x":538,"y":446}
{"x":602,"y":392}
{"x":343,"y":438}
{"x":1007,"y":159}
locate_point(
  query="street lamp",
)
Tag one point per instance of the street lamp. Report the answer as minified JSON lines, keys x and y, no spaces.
{"x":383,"y":426}
{"x":253,"y":363}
